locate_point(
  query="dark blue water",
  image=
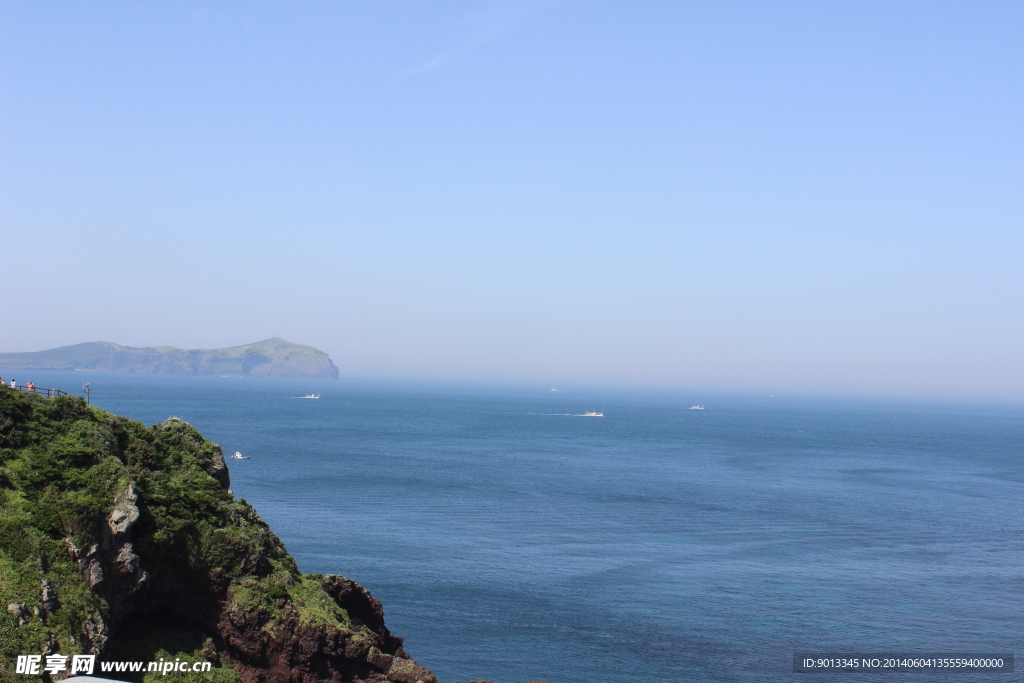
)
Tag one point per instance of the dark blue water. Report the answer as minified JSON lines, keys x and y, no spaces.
{"x":510,"y":539}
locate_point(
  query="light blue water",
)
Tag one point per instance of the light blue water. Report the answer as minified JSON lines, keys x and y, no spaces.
{"x":511,"y":540}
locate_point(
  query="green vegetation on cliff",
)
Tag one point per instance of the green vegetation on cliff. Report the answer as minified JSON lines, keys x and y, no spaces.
{"x":269,"y":358}
{"x":124,"y":541}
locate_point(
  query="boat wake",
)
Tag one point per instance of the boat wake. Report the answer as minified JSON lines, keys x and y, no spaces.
{"x":570,"y":414}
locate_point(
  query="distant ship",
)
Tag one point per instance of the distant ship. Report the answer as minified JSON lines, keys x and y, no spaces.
{"x":553,"y":389}
{"x":309,"y":396}
{"x":592,"y":415}
{"x":238,"y":456}
{"x":696,"y":407}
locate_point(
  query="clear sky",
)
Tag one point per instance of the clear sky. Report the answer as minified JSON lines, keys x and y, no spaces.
{"x":777,"y":196}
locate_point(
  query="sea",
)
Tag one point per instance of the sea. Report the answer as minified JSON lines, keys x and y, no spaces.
{"x":512,"y":538}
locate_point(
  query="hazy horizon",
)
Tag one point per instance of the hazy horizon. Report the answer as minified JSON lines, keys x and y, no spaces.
{"x":787,"y":197}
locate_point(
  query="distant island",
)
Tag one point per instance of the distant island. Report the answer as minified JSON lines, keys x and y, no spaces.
{"x":269,"y":358}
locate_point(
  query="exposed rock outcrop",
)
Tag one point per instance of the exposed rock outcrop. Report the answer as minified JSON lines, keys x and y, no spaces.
{"x":275,"y":646}
{"x":19,"y":611}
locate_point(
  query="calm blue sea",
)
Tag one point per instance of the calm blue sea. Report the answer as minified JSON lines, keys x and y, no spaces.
{"x":510,"y":539}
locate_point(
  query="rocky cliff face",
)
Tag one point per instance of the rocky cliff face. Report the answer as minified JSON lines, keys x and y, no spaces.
{"x":124,"y":542}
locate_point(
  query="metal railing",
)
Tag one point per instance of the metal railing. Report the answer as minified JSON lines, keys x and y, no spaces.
{"x":48,"y":393}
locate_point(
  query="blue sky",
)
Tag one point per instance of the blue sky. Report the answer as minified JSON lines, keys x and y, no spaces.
{"x":766,"y":196}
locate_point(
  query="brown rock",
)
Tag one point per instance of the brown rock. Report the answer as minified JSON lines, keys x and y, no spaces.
{"x":358,"y":602}
{"x":124,"y":514}
{"x":279,"y":648}
{"x":18,"y":610}
{"x":408,"y":671}
{"x":218,"y":469}
{"x":379,"y":659}
{"x":90,"y":564}
{"x":48,"y":597}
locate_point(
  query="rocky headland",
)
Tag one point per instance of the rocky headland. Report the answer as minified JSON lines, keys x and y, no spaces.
{"x":269,"y":358}
{"x":125,"y":542}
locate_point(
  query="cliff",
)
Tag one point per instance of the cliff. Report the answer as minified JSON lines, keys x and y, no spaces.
{"x":124,"y":542}
{"x":269,"y":358}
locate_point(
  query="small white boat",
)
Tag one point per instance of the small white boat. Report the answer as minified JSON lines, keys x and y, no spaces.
{"x":553,"y":389}
{"x":592,"y":414}
{"x":238,"y":456}
{"x":696,"y":407}
{"x":309,"y":396}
